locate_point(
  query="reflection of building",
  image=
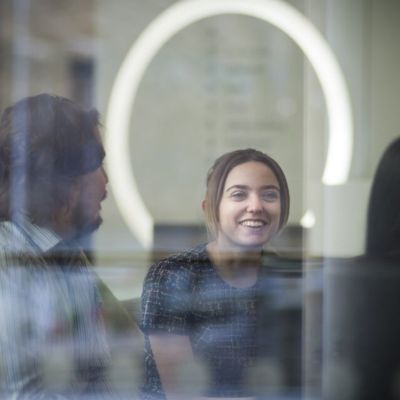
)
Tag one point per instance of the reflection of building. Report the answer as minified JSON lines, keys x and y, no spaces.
{"x":47,"y":46}
{"x":222,"y":83}
{"x":234,"y":81}
{"x":209,"y":116}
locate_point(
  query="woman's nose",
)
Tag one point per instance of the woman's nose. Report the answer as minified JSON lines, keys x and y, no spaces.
{"x":254,"y":204}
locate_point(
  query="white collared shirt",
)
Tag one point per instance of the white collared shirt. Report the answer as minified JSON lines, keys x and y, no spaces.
{"x":52,"y":337}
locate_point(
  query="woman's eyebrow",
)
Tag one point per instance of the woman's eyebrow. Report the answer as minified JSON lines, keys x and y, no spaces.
{"x":271,"y":187}
{"x":245,"y":187}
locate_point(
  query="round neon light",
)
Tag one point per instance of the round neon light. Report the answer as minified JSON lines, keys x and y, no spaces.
{"x":166,"y":25}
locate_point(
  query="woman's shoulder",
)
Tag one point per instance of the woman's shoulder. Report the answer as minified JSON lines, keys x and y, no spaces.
{"x":185,"y":261}
{"x":194,"y":255}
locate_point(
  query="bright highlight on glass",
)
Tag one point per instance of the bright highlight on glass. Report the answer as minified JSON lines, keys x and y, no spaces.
{"x":166,"y":25}
{"x":308,"y":220}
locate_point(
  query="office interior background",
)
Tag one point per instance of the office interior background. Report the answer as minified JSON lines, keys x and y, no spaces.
{"x":222,"y":82}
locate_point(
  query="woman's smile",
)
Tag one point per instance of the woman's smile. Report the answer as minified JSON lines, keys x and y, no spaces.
{"x":253,"y":223}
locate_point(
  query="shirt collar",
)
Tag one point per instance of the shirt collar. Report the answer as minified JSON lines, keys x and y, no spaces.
{"x":35,"y":236}
{"x":43,"y":238}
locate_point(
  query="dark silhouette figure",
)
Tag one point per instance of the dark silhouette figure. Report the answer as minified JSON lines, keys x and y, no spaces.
{"x":362,"y":300}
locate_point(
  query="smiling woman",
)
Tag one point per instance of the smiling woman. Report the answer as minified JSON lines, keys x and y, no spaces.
{"x":206,"y":307}
{"x":249,"y":209}
{"x":252,"y":183}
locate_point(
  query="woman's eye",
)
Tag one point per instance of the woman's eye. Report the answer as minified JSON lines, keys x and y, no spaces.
{"x":238,"y":195}
{"x":271,"y":195}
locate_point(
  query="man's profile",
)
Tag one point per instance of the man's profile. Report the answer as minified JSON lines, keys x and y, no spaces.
{"x":53,"y":340}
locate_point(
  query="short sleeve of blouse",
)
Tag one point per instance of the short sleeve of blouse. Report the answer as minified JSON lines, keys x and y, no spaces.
{"x":167,"y":298}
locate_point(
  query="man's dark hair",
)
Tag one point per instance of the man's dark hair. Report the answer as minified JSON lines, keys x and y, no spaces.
{"x":46,"y":142}
{"x":383,"y":222}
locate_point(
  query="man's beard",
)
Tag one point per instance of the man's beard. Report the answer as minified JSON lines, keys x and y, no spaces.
{"x":84,"y":226}
{"x":89,"y":227}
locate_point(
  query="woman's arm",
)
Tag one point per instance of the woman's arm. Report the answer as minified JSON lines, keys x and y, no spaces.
{"x":171,"y":354}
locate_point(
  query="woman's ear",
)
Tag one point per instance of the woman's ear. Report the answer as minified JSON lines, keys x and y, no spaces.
{"x":203,"y":205}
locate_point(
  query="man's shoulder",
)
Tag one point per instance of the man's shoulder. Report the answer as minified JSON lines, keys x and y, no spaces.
{"x":24,"y":246}
{"x":11,"y":238}
{"x":26,"y":237}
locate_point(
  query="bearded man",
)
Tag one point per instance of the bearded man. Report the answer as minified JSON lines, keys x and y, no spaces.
{"x":53,"y":340}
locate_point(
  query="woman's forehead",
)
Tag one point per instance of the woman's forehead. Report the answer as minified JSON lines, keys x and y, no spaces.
{"x":251,"y":173}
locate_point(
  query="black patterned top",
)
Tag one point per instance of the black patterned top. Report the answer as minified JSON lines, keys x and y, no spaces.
{"x":185,"y":295}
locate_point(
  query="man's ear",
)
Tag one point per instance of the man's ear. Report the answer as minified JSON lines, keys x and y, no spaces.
{"x":71,"y":201}
{"x":73,"y":194}
{"x":64,"y":218}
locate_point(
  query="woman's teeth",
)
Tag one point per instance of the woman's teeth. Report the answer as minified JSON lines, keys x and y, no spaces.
{"x":252,"y":223}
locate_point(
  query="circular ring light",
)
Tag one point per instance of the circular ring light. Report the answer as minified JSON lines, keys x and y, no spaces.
{"x":166,"y":25}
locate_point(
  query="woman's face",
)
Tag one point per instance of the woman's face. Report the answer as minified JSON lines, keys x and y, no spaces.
{"x":250,"y":208}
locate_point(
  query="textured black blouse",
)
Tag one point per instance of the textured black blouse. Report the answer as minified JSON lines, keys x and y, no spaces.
{"x":228,"y":327}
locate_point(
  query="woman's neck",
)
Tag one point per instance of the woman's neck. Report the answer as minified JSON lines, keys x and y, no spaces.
{"x":237,"y":268}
